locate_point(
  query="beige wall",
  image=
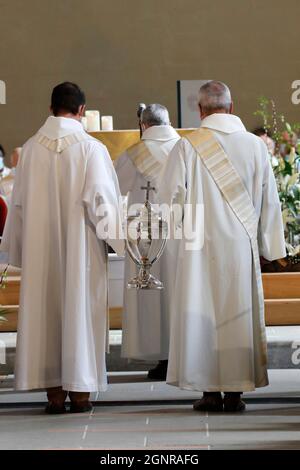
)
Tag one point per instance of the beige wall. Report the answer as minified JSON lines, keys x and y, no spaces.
{"x":126,"y":51}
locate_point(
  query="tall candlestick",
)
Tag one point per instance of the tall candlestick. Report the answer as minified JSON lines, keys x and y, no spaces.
{"x":107,"y":123}
{"x":93,"y":121}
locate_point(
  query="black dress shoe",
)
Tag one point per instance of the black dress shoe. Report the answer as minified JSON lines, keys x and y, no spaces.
{"x":55,"y":409}
{"x":81,"y":407}
{"x":159,"y":372}
{"x":233,"y":403}
{"x":211,"y":401}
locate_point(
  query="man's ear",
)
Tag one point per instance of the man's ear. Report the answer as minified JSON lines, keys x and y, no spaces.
{"x":200,"y":111}
{"x":231,"y":108}
{"x":81,"y":110}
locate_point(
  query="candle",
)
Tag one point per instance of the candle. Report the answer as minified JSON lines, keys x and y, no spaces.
{"x":84,"y":123}
{"x":107,"y":123}
{"x":93,"y":121}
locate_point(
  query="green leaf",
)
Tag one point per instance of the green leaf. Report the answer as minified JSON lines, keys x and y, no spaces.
{"x":288,"y":127}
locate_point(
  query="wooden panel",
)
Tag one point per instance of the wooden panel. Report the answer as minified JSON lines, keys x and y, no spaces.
{"x":9,"y":295}
{"x":278,"y":312}
{"x":282,"y":312}
{"x":115,"y":318}
{"x":281,"y":285}
{"x":282,"y":293}
{"x":11,"y":315}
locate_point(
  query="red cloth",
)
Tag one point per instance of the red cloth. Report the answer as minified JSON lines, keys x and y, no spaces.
{"x":3,"y":214}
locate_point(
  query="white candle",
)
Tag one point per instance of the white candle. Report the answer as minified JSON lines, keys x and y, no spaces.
{"x":93,"y":121}
{"x":84,"y":123}
{"x":107,"y":123}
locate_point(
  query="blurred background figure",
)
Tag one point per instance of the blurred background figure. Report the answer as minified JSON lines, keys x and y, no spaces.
{"x":14,"y":158}
{"x":4,"y":170}
{"x":289,"y":141}
{"x":266,"y":137}
{"x":7,"y":175}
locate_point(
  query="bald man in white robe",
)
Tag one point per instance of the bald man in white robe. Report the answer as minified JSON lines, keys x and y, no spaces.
{"x":218,"y":341}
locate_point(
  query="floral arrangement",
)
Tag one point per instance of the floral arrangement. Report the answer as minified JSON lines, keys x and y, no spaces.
{"x":285,"y":159}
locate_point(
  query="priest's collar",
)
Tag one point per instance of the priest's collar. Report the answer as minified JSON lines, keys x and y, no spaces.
{"x":163,"y":133}
{"x":227,"y":123}
{"x":58,"y":127}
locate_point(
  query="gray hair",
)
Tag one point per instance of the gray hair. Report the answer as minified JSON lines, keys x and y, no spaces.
{"x":214,"y":96}
{"x":155,"y":115}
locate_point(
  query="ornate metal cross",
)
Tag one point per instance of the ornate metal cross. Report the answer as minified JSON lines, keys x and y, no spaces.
{"x":148,"y":188}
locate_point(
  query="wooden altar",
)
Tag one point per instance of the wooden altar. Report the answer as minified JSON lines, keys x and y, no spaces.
{"x":119,"y":141}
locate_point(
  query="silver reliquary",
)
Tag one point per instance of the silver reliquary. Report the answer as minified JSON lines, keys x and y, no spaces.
{"x":145,"y":241}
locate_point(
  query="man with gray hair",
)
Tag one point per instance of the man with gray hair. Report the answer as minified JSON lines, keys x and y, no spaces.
{"x":155,"y":115}
{"x":217,"y":340}
{"x":213,"y":97}
{"x":146,"y":314}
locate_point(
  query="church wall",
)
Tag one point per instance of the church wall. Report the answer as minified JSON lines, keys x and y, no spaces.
{"x":123,"y":52}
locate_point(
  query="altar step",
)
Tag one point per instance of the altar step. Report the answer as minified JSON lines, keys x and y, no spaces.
{"x":283,"y":351}
{"x":282,"y":311}
{"x":281,"y":290}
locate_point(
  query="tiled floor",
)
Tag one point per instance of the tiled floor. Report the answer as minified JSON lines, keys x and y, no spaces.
{"x":143,"y":415}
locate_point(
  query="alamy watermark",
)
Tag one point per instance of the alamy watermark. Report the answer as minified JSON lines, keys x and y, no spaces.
{"x":2,"y":92}
{"x":2,"y":352}
{"x":295,"y":98}
{"x":182,"y":222}
{"x":296,"y":353}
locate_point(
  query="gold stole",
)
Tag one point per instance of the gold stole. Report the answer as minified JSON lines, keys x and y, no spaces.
{"x":144,"y":161}
{"x":59,"y":145}
{"x":234,"y":192}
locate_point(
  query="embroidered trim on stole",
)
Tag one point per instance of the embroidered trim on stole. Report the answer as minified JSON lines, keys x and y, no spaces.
{"x":232,"y":188}
{"x":144,"y":161}
{"x":59,"y":145}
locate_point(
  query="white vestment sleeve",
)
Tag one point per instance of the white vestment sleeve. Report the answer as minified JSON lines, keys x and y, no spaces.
{"x":270,"y":231}
{"x":12,"y":236}
{"x":172,"y":183}
{"x":103,"y":199}
{"x":126,"y":173}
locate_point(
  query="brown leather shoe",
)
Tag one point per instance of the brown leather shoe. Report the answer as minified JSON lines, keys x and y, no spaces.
{"x":82,"y":407}
{"x":233,"y":402}
{"x":211,"y":401}
{"x":80,"y":402}
{"x":56,"y":400}
{"x":54,"y":409}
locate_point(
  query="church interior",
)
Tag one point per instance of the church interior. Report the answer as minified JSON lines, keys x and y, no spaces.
{"x":124,"y":54}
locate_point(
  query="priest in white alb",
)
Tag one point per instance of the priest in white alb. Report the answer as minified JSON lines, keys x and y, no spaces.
{"x":146,"y":317}
{"x":65,"y":193}
{"x":218,"y":340}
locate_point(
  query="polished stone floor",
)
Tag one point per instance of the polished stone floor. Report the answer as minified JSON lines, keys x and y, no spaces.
{"x":136,"y":414}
